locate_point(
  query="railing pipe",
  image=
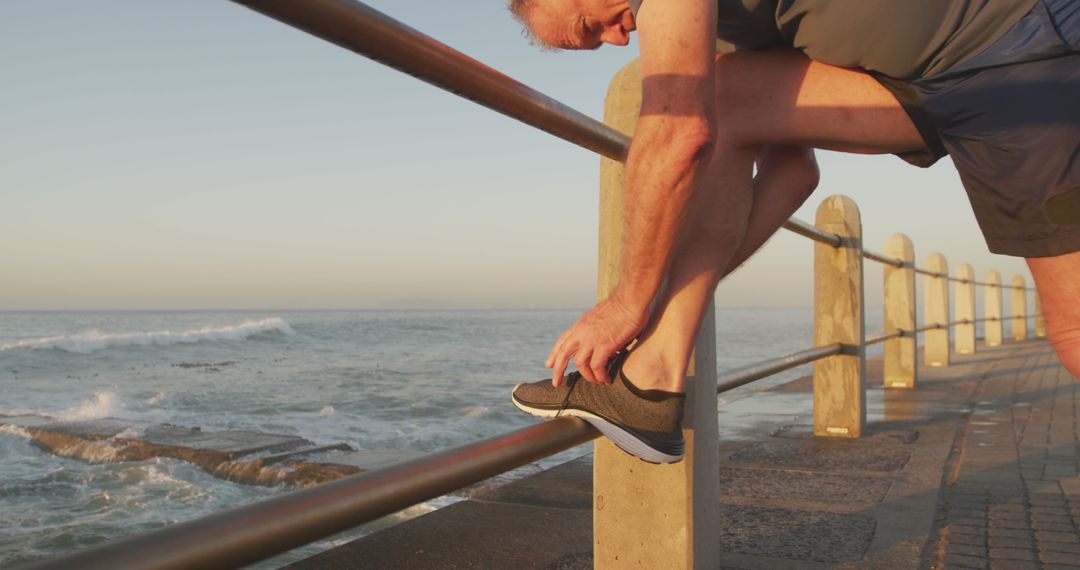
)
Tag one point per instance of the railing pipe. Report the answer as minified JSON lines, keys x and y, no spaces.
{"x":930,"y":273}
{"x":255,"y":532}
{"x":881,"y":258}
{"x":368,"y":32}
{"x":883,"y":336}
{"x":744,"y":376}
{"x":806,"y":230}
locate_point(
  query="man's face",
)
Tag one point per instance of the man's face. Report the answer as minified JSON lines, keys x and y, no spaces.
{"x":581,"y":24}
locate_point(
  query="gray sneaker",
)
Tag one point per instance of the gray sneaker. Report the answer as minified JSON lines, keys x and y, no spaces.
{"x":644,"y":423}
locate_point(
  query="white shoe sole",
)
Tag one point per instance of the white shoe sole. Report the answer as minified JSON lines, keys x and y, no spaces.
{"x":625,"y":440}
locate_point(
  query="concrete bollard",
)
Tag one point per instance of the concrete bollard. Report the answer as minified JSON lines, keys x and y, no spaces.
{"x":901,"y":354}
{"x":936,"y":289}
{"x":965,"y":310}
{"x":654,"y":516}
{"x":1040,"y":318}
{"x":1018,"y":308}
{"x":839,"y":381}
{"x":993,"y":327}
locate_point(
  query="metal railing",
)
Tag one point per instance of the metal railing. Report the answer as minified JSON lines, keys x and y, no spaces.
{"x":255,"y":532}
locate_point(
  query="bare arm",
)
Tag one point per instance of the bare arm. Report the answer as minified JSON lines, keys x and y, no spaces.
{"x":669,"y":153}
{"x":672,"y":139}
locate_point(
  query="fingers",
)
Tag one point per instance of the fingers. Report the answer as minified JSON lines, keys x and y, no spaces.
{"x":558,"y":358}
{"x":582,"y":360}
{"x":598,"y":364}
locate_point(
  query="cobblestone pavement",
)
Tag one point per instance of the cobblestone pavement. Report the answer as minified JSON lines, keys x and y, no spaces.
{"x":1012,"y":498}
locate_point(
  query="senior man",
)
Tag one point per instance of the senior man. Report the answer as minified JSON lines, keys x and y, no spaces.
{"x":993,"y":83}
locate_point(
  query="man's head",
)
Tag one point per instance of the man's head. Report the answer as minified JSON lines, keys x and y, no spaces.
{"x":575,"y":24}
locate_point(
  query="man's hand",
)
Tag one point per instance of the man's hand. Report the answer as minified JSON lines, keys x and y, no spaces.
{"x":597,"y":334}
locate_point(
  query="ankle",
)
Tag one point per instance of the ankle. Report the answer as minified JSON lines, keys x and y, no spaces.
{"x":649,"y":370}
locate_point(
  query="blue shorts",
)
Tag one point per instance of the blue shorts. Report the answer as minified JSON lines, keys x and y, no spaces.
{"x":1010,"y":119}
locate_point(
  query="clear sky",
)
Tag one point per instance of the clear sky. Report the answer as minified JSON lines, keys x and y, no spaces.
{"x":195,"y":154}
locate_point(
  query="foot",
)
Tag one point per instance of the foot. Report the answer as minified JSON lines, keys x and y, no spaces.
{"x":644,"y":423}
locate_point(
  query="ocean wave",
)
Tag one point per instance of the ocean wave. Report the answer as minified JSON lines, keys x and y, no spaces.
{"x":95,"y":340}
{"x":104,"y":404}
{"x":15,"y":431}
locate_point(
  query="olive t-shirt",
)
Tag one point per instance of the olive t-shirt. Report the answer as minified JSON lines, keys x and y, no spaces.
{"x":905,"y":39}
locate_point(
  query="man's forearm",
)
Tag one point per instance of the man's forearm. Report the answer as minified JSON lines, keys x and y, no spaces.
{"x":664,"y":169}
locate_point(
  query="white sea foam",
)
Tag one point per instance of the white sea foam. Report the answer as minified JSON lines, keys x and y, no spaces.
{"x":18,"y":412}
{"x":15,"y":431}
{"x":156,"y":399}
{"x":94,"y":340}
{"x":103,"y":404}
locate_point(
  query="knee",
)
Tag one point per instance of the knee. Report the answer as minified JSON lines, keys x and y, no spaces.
{"x":799,"y":166}
{"x":1065,"y":338}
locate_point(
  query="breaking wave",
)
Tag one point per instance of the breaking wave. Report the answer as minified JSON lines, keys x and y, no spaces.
{"x":95,"y":340}
{"x":103,"y":404}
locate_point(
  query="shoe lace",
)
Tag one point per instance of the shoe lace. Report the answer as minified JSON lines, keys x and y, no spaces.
{"x":571,"y":383}
{"x":574,"y":377}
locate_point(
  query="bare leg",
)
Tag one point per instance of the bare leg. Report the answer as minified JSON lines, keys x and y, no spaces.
{"x":763,"y":99}
{"x":1058,"y":281}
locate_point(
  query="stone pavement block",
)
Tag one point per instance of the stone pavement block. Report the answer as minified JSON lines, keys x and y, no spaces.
{"x":1050,"y":557}
{"x":1008,"y":533}
{"x":1070,"y":487}
{"x":1057,"y":509}
{"x":1012,"y":543}
{"x":1011,"y":554}
{"x":967,"y":521}
{"x":1061,"y":518}
{"x":959,"y":561}
{"x":972,"y":539}
{"x":1045,"y":487}
{"x":1065,"y":537}
{"x":1013,"y":565}
{"x":955,"y":529}
{"x":965,"y":549}
{"x":1060,"y":547}
{"x":1060,"y":471}
{"x":1054,"y":527}
{"x":1010,"y":523}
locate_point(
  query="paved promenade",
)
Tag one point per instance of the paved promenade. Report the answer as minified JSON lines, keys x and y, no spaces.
{"x":976,"y":468}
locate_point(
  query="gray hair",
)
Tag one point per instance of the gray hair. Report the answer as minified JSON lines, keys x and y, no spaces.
{"x":521,"y":9}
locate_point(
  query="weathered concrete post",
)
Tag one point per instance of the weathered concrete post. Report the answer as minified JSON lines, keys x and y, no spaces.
{"x":1040,"y":318}
{"x":839,"y":381}
{"x":654,"y":516}
{"x":901,"y":354}
{"x":1018,"y":308}
{"x":965,"y":309}
{"x":993,"y":328}
{"x":936,"y":289}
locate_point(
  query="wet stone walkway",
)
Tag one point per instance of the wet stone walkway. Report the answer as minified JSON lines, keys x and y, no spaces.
{"x":1012,"y":498}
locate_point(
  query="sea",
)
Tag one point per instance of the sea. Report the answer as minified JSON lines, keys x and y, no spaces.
{"x":419,"y":381}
